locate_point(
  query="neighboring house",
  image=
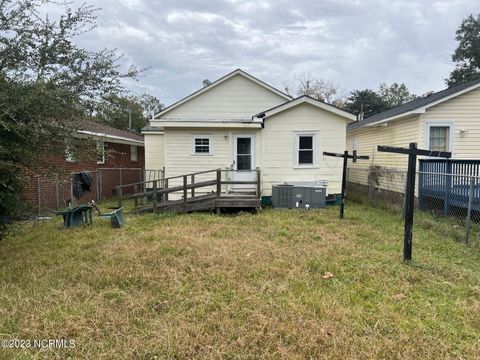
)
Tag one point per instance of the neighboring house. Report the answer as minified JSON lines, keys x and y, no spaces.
{"x":117,"y":149}
{"x":241,"y":123}
{"x":448,"y":120}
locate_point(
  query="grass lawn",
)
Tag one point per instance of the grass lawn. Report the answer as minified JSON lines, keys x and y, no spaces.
{"x":245,"y":286}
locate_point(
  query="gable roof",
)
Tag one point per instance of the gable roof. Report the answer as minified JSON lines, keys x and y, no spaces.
{"x":110,"y":134}
{"x":417,"y":106}
{"x":308,"y":100}
{"x":218,"y":82}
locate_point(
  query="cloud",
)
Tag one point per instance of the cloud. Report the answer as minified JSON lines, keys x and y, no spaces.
{"x":356,"y":44}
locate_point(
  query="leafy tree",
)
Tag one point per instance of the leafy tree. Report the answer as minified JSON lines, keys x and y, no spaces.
{"x":467,"y":54}
{"x":118,"y":111}
{"x":370,"y":102}
{"x":150,"y":104}
{"x":366,"y":101}
{"x":47,"y":84}
{"x":395,"y":94}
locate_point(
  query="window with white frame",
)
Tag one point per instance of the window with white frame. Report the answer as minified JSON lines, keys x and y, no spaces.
{"x":100,"y":152}
{"x":305,"y":149}
{"x":133,"y":153}
{"x":439,"y":137}
{"x":202,"y":144}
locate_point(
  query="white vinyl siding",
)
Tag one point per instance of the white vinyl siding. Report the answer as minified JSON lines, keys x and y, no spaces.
{"x":179,"y":159}
{"x":462,"y":114}
{"x":279,"y":148}
{"x":238,"y":98}
{"x":366,"y":140}
{"x":154,"y":151}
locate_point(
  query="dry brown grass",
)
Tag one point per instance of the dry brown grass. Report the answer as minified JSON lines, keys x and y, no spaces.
{"x":247,"y":286}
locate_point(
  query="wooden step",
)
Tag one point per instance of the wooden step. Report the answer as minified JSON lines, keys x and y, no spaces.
{"x":238,"y":202}
{"x":202,"y":202}
{"x":240,"y":193}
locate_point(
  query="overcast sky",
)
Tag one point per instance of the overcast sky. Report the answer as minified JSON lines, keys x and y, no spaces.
{"x":355,"y":44}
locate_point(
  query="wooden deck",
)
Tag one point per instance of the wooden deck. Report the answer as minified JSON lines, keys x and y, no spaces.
{"x":200,"y":191}
{"x":449,"y":183}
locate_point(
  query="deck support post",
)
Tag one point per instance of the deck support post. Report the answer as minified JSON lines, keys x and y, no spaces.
{"x":412,"y":153}
{"x":185,"y":194}
{"x":135,"y":191}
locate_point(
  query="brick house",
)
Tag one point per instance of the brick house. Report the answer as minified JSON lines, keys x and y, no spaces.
{"x":120,"y":160}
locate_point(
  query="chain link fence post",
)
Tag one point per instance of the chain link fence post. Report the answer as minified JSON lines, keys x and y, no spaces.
{"x":57,"y":195}
{"x":39,"y":197}
{"x":370,"y":184}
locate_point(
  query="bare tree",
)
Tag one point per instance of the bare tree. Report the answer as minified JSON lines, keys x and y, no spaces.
{"x":319,"y":89}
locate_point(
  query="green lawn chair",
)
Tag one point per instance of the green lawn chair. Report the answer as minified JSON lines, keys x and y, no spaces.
{"x":116,"y":217}
{"x":76,"y":216}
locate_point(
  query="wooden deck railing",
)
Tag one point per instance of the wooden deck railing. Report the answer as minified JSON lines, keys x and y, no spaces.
{"x":157,"y":191}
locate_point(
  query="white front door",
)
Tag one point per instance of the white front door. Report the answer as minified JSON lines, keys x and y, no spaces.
{"x":244,"y":160}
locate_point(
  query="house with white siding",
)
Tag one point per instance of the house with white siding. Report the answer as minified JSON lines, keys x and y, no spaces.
{"x":448,"y":120}
{"x":238,"y":122}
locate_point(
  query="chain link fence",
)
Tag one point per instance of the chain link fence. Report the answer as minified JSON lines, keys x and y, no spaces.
{"x":447,"y":203}
{"x":43,"y":195}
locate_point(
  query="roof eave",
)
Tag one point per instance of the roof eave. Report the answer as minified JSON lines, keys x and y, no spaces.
{"x":153,"y":132}
{"x":112,"y":138}
{"x":305,"y":99}
{"x":210,"y":124}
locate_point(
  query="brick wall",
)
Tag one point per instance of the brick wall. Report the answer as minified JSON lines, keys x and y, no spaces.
{"x":42,"y":194}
